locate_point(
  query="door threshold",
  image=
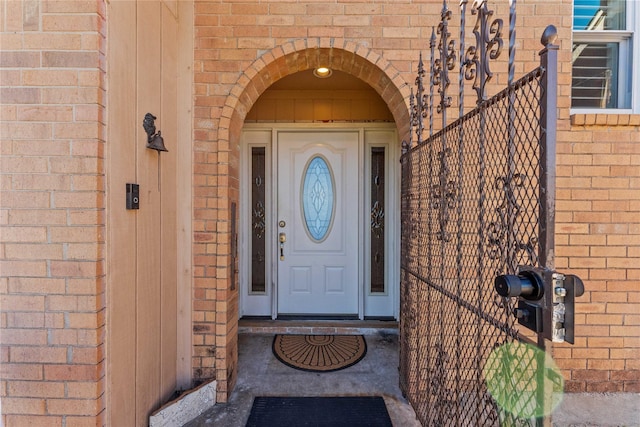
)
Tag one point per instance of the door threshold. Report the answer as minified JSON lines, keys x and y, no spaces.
{"x":316,"y":326}
{"x":336,"y":317}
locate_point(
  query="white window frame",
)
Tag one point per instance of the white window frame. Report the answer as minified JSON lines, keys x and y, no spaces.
{"x":629,"y":45}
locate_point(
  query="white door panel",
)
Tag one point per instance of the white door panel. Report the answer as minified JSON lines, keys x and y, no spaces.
{"x":318,"y":266}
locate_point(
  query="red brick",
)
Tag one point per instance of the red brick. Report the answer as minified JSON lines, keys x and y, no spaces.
{"x":84,"y":390}
{"x":623,"y":375}
{"x":623,"y":308}
{"x":23,"y":406}
{"x":24,"y":337}
{"x":606,"y":365}
{"x":28,"y":251}
{"x":69,"y":22}
{"x":25,"y":320}
{"x":53,"y":59}
{"x":86,"y":217}
{"x":17,"y":371}
{"x":21,"y":95}
{"x":77,"y":200}
{"x":23,"y":302}
{"x":33,"y":421}
{"x":87,"y":355}
{"x":23,"y":268}
{"x":605,"y":342}
{"x":74,"y":165}
{"x":75,"y":268}
{"x":32,"y":148}
{"x":79,"y":286}
{"x":40,"y":354}
{"x":86,"y":407}
{"x":625,"y":331}
{"x":19,"y":59}
{"x":631,"y":341}
{"x":632,"y":387}
{"x":36,"y":389}
{"x":84,"y":320}
{"x":40,"y":77}
{"x":590,"y":376}
{"x":58,"y":337}
{"x":70,"y":95}
{"x":604,"y":387}
{"x":574,"y":386}
{"x":72,"y":372}
{"x":24,"y":199}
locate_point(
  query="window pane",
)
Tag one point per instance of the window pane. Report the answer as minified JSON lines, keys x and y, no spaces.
{"x":317,"y":198}
{"x":258,"y":245}
{"x":377,"y":219}
{"x":595,"y":75}
{"x":598,"y":15}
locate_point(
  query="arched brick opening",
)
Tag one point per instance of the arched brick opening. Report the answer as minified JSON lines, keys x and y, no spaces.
{"x":292,"y":57}
{"x":300,"y":55}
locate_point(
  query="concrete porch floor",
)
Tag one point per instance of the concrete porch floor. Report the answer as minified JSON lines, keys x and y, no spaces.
{"x":261,"y":374}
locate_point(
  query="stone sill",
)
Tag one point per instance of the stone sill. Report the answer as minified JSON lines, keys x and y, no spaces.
{"x":185,"y":408}
{"x":603,"y":119}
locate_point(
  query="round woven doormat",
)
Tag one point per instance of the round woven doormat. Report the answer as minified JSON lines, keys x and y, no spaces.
{"x":319,"y":353}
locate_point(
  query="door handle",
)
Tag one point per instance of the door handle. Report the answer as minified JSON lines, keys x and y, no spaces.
{"x":282,"y":237}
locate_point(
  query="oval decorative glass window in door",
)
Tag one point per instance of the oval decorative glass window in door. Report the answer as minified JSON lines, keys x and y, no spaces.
{"x":318,"y":198}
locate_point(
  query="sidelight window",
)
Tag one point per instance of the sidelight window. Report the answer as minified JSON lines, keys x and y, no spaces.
{"x":377,"y":220}
{"x":258,"y":220}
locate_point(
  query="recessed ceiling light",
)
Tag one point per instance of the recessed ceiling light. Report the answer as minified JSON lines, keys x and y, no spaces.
{"x":322,"y":72}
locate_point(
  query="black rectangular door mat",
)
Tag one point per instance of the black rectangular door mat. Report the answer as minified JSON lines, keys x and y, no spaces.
{"x":355,"y":411}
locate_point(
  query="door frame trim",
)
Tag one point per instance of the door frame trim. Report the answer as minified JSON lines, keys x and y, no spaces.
{"x":247,"y":302}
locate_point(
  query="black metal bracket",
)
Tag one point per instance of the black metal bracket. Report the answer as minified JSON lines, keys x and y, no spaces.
{"x":546,"y":300}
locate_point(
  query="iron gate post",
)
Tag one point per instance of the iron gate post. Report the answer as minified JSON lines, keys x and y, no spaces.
{"x":548,"y":127}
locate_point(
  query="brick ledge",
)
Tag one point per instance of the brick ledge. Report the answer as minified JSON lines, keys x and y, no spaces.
{"x":603,"y":119}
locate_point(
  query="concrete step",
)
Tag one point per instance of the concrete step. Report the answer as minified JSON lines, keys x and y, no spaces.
{"x":317,"y":327}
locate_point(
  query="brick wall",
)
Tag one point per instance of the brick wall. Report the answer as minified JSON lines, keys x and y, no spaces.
{"x":52,"y":206}
{"x":242,"y":48}
{"x":598,"y":238}
{"x":52,"y":213}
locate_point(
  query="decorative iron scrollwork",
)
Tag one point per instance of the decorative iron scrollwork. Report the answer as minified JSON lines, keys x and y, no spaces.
{"x":439,"y":387}
{"x":488,"y":47}
{"x":259,"y":222}
{"x":503,"y":239}
{"x":444,"y":61}
{"x":377,"y":220}
{"x":443,"y":196}
{"x":418,"y":104}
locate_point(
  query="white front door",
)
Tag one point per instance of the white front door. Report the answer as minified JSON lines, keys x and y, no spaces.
{"x":318,"y":222}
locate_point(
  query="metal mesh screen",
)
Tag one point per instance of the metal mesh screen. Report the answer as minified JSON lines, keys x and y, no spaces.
{"x":470,"y":211}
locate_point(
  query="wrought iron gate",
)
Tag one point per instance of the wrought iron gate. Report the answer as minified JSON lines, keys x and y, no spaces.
{"x":477,"y":202}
